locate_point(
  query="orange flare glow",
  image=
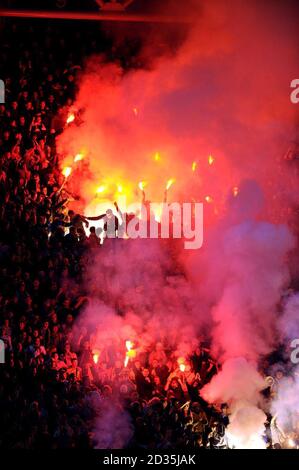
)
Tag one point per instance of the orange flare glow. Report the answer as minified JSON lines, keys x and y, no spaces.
{"x":182,"y":367}
{"x":157,"y":157}
{"x":211,"y":160}
{"x":130,"y":352}
{"x":135,"y":111}
{"x":101,"y":189}
{"x":141,"y":185}
{"x":96,"y":358}
{"x":70,"y":118}
{"x":170,"y":183}
{"x":67,"y":171}
{"x":194,"y":165}
{"x":209,"y":199}
{"x":78,"y":157}
{"x":235,"y":191}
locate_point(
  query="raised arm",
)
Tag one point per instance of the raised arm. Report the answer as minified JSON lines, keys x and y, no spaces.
{"x":98,"y":217}
{"x":119,"y":211}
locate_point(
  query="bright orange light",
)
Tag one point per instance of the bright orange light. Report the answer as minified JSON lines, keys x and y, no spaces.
{"x":135,"y":111}
{"x":211,"y":160}
{"x":70,"y":118}
{"x":78,"y":157}
{"x":119,"y":188}
{"x":130,"y":352}
{"x":209,"y":199}
{"x":235,"y":191}
{"x":194,"y":165}
{"x":182,"y":367}
{"x":141,"y":185}
{"x":67,"y":171}
{"x":157,"y":157}
{"x":101,"y":189}
{"x":169,"y":183}
{"x":96,"y":358}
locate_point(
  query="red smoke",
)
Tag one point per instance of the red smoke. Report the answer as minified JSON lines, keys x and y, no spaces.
{"x":224,"y":93}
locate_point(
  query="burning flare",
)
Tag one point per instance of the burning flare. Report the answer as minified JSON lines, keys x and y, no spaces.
{"x":95,"y":357}
{"x":101,"y":189}
{"x":78,"y":157}
{"x":235,"y":191}
{"x":169,"y":183}
{"x":142,"y":185}
{"x":130,"y":352}
{"x":67,"y":170}
{"x":211,"y":160}
{"x":70,"y":118}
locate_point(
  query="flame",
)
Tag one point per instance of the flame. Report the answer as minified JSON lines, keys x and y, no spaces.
{"x":70,"y":118}
{"x":126,"y":361}
{"x":135,"y":111}
{"x":194,"y":165}
{"x":211,"y":160}
{"x":209,"y":199}
{"x":96,"y":358}
{"x":141,"y":185}
{"x":67,"y":171}
{"x":170,"y":183}
{"x":291,"y":443}
{"x":130,"y":352}
{"x":157,"y":157}
{"x":255,"y":441}
{"x":101,"y":189}
{"x":78,"y":157}
{"x":235,"y":191}
{"x":182,"y":367}
{"x":158,"y":213}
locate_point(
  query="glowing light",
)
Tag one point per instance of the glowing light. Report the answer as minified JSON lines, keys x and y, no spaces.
{"x":135,"y":111}
{"x":255,"y":441}
{"x":169,"y":183}
{"x":67,"y":171}
{"x":101,"y":189}
{"x":96,"y":357}
{"x":211,"y":160}
{"x":70,"y":118}
{"x":78,"y":157}
{"x":130,"y":352}
{"x":182,"y":367}
{"x":158,"y":213}
{"x":209,"y":199}
{"x":291,"y":443}
{"x":119,"y":188}
{"x":142,"y":185}
{"x":235,"y":191}
{"x":194,"y":166}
